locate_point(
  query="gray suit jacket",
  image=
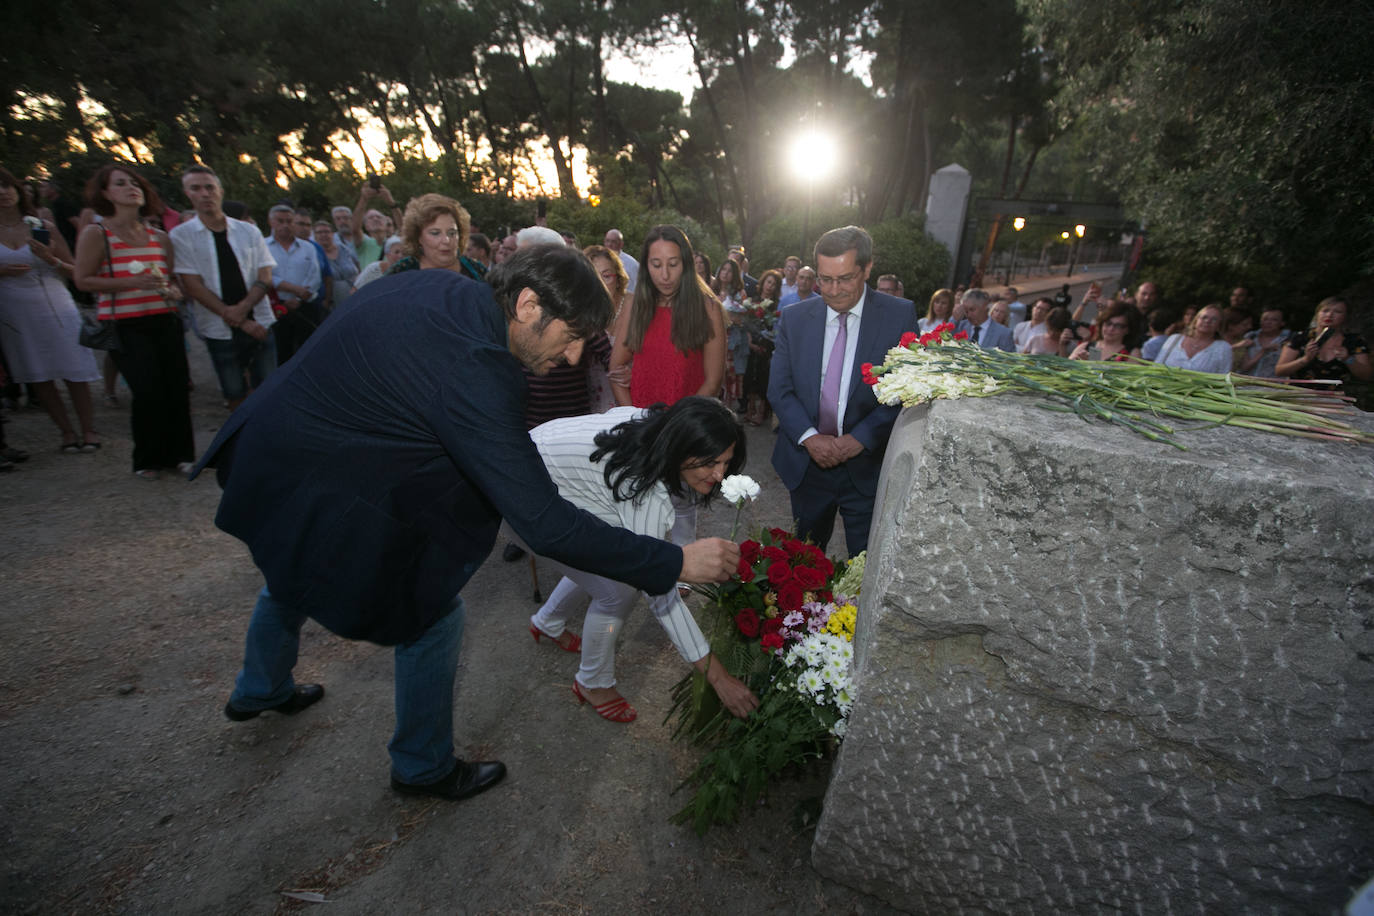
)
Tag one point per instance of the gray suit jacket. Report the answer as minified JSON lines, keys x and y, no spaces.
{"x":994,"y":337}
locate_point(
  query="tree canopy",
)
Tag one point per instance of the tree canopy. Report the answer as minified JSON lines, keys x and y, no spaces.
{"x":1236,"y":133}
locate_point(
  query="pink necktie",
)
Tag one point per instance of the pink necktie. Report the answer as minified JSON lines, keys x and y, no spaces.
{"x":830,"y":388}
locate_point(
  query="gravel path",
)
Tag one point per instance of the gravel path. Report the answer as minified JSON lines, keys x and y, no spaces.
{"x":125,"y":790}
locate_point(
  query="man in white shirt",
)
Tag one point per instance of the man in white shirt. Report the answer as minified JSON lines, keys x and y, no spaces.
{"x":790,"y":267}
{"x":806,"y":289}
{"x":225,"y":268}
{"x":616,"y":242}
{"x":295,"y":278}
{"x":1015,"y":307}
{"x":1027,"y":331}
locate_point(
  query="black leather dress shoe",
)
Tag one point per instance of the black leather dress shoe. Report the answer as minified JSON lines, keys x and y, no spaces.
{"x":305,"y":695}
{"x":466,"y":780}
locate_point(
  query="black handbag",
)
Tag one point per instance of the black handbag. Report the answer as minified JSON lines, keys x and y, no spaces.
{"x":97,"y":334}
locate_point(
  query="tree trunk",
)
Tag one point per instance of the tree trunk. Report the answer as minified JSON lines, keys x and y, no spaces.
{"x":601,"y":132}
{"x":1002,"y":192}
{"x":736,"y":193}
{"x":566,"y":187}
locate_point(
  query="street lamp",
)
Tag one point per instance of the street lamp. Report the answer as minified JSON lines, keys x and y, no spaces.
{"x":1075,"y":246}
{"x":1018,"y":224}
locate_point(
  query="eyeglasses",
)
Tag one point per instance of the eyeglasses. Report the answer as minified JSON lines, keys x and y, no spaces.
{"x":846,"y":280}
{"x":1120,"y":325}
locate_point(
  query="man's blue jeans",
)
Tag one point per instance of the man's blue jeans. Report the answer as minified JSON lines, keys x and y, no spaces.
{"x":422,"y":746}
{"x":241,"y":353}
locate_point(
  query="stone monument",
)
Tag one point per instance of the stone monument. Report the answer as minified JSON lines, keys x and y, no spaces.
{"x":1098,"y":674}
{"x":946,"y":210}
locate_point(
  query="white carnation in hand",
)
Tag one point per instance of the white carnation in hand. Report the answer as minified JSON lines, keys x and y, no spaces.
{"x":739,"y":487}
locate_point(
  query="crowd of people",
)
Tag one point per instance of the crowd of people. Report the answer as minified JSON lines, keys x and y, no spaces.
{"x":569,"y":391}
{"x":1240,"y":337}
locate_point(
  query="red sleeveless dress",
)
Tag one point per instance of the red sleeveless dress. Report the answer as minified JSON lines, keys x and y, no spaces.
{"x":661,"y":372}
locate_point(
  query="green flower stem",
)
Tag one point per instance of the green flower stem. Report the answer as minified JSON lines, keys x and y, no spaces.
{"x":1135,"y":394}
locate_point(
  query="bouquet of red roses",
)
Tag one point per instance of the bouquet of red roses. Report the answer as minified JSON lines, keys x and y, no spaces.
{"x":778,"y":575}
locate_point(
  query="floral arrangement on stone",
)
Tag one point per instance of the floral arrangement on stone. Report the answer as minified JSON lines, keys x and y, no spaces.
{"x":1134,"y":394}
{"x":785,"y":626}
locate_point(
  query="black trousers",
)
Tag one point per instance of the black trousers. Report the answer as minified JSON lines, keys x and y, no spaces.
{"x":294,"y":328}
{"x":152,"y":359}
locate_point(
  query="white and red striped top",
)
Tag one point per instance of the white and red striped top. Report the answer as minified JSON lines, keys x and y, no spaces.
{"x":129,"y":261}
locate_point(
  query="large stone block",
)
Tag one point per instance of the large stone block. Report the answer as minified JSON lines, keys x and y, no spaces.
{"x":1099,"y":674}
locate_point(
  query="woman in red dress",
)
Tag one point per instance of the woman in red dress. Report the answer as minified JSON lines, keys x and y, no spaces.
{"x":673,"y":336}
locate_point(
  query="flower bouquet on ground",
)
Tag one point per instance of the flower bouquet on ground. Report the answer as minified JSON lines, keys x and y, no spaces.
{"x":1134,"y":394}
{"x":781,"y":626}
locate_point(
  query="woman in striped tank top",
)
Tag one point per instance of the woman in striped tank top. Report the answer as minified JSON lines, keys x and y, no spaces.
{"x":130,"y":266}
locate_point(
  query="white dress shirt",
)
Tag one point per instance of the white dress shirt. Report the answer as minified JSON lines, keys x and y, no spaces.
{"x":297,"y":264}
{"x":194,"y":246}
{"x":851,"y":346}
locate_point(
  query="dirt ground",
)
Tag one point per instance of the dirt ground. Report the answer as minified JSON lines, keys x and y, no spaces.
{"x":125,"y":790}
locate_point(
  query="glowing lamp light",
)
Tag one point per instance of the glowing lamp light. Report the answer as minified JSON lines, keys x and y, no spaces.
{"x":594,"y":200}
{"x":1080,"y":229}
{"x":813,"y":155}
{"x":1064,"y":236}
{"x":1019,"y":223}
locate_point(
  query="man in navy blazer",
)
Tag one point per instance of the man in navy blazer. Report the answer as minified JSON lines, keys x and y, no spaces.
{"x":370,"y":474}
{"x":829,"y":460}
{"x":980,"y":328}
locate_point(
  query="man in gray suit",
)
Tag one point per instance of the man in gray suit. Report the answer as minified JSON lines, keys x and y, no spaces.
{"x":981,"y":329}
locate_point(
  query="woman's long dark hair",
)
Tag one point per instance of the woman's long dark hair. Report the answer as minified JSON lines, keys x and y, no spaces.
{"x":654,"y":448}
{"x":691,"y":327}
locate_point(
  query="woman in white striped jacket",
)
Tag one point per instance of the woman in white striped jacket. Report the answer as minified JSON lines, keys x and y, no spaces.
{"x":625,"y":466}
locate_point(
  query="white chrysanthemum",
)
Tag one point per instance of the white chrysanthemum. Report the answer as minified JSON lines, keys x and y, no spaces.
{"x":839,"y":728}
{"x":739,"y":487}
{"x":809,"y":682}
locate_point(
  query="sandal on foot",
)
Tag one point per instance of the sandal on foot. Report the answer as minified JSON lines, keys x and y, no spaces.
{"x":617,"y":710}
{"x":572,"y":644}
{"x":89,"y":447}
{"x":148,"y":474}
{"x":70,"y":448}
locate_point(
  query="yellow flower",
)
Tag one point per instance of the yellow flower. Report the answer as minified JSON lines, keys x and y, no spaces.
{"x":841,"y":621}
{"x":770,"y":598}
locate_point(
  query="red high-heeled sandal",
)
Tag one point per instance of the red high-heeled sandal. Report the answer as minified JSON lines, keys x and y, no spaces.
{"x":617,"y":710}
{"x":574,"y":643}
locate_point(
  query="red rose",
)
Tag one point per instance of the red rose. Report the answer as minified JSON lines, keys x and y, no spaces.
{"x":747,"y":621}
{"x":749,"y":551}
{"x":771,"y":625}
{"x":826,"y":567}
{"x":778,"y":534}
{"x":745,"y":571}
{"x":779,"y":572}
{"x":770,"y":642}
{"x":908,"y":339}
{"x":809,"y":578}
{"x":793,"y":547}
{"x":825,"y":596}
{"x":774,"y":553}
{"x":790,"y":596}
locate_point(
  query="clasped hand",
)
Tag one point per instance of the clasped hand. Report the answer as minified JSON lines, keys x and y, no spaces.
{"x":832,"y":451}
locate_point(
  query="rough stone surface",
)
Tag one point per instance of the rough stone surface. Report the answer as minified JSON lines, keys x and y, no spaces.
{"x":1099,"y":674}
